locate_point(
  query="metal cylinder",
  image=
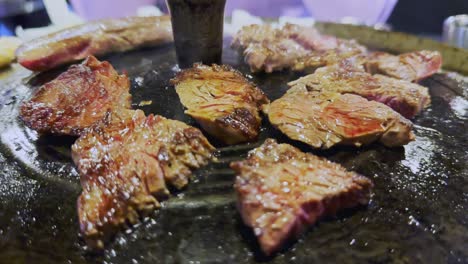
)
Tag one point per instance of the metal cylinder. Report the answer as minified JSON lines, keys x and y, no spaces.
{"x":197,"y":26}
{"x":455,"y":31}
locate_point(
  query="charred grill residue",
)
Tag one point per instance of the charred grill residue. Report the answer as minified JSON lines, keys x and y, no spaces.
{"x":243,"y":120}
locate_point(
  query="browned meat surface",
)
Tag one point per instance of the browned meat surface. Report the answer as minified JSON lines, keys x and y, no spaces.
{"x":412,"y":66}
{"x":405,"y":97}
{"x":222,"y":101}
{"x":300,"y":48}
{"x":77,"y":98}
{"x":325,"y":119}
{"x":317,"y":59}
{"x":306,"y":36}
{"x":94,"y":38}
{"x":291,"y":47}
{"x":311,"y":39}
{"x":125,"y":163}
{"x":281,"y":191}
{"x":288,"y":54}
{"x":255,"y":34}
{"x":275,"y":55}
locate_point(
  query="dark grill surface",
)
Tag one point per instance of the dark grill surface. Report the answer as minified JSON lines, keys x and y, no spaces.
{"x":417,"y":215}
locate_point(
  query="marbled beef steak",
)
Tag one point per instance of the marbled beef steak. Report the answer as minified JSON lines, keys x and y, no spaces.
{"x":405,"y":97}
{"x":222,"y":101}
{"x":281,"y":191}
{"x":126,"y":163}
{"x":325,"y":119}
{"x":77,"y":98}
{"x":94,"y":38}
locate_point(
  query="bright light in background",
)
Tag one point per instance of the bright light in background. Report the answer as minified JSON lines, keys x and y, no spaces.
{"x":96,"y":9}
{"x":363,"y":11}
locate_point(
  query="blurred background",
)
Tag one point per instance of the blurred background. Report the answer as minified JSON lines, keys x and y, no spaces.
{"x":424,"y":17}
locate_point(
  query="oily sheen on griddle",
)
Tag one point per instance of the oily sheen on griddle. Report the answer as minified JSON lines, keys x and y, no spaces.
{"x":222,"y":101}
{"x":325,"y":119}
{"x":77,"y":98}
{"x":281,"y":191}
{"x":126,"y":162}
{"x":405,"y":97}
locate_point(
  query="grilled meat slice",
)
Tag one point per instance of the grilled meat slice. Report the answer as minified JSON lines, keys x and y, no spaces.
{"x":281,"y":191}
{"x":222,"y":101}
{"x":288,"y":54}
{"x":267,"y":48}
{"x":411,"y":67}
{"x":317,"y":59}
{"x":77,"y":98}
{"x":291,"y":47}
{"x":325,"y":119}
{"x":311,"y":39}
{"x":125,"y":162}
{"x":94,"y":38}
{"x":255,"y":34}
{"x":270,"y":56}
{"x":405,"y":97}
{"x":306,"y":36}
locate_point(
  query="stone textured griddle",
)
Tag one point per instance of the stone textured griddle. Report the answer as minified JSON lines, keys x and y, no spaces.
{"x":417,"y":215}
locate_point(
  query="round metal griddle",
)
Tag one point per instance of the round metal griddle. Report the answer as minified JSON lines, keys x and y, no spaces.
{"x":418,"y":213}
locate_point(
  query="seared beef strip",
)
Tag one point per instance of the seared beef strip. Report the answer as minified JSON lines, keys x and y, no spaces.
{"x":222,"y":100}
{"x":291,"y":47}
{"x":303,"y":48}
{"x":125,"y":162}
{"x":275,"y":55}
{"x":412,"y":66}
{"x":345,"y":77}
{"x":94,"y":38}
{"x":281,"y":191}
{"x":255,"y":34}
{"x":325,"y":119}
{"x":77,"y":98}
{"x":311,"y":39}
